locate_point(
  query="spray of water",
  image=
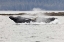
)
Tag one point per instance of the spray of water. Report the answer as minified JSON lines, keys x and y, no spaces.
{"x":38,"y":9}
{"x":40,"y":16}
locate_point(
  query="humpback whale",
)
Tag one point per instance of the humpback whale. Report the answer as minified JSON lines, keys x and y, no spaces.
{"x":20,"y":19}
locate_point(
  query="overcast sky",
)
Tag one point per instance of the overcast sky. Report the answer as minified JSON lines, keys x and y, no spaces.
{"x":25,"y":5}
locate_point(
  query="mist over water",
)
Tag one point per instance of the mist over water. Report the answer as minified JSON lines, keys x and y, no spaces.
{"x":38,"y":13}
{"x":38,"y":9}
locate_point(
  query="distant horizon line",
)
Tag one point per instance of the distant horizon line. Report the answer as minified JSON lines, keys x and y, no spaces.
{"x":16,"y":12}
